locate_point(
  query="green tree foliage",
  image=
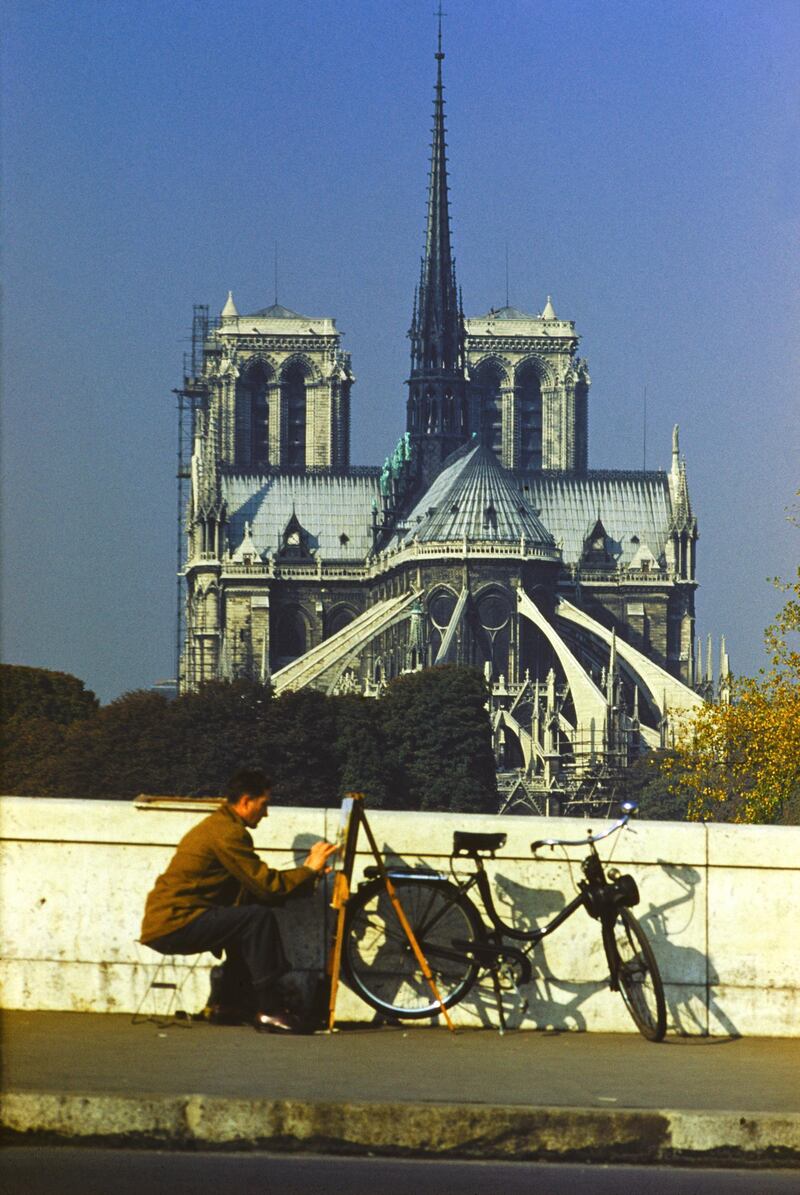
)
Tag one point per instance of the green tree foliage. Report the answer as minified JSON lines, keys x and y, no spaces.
{"x":40,"y":693}
{"x":438,"y":727}
{"x":303,"y":739}
{"x":647,"y":781}
{"x":122,"y":751}
{"x":37,"y":706}
{"x":366,"y":762}
{"x":215,"y":730}
{"x":425,"y":745}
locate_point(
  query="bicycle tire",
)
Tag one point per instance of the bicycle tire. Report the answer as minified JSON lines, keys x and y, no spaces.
{"x":635,"y":973}
{"x":379,"y":963}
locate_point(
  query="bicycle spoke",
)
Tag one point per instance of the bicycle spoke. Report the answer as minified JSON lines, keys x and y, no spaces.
{"x":379,"y":958}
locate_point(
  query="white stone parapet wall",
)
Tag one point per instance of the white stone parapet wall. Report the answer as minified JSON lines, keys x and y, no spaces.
{"x":719,"y":904}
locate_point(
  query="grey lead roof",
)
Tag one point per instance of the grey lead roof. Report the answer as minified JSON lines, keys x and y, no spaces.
{"x":278,"y":312}
{"x":328,"y":507}
{"x":562,"y":506}
{"x":627,"y":504}
{"x":477,"y":498}
{"x":507,"y":313}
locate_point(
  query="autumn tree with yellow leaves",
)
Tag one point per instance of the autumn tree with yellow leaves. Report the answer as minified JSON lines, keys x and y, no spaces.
{"x":740,"y":761}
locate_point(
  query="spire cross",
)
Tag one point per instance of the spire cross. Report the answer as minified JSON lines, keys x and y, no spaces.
{"x":439,"y":13}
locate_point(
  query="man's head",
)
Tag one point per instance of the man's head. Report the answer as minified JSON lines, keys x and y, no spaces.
{"x":248,"y":794}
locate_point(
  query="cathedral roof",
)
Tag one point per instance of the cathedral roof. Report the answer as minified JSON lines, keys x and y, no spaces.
{"x":334,"y":510}
{"x":476,"y":498}
{"x":276,"y":311}
{"x":507,"y":313}
{"x":635,"y":508}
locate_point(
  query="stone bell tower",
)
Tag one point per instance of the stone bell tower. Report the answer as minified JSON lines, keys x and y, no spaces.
{"x":280,"y":386}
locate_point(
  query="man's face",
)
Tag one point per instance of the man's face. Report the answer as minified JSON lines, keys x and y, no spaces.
{"x":254,"y":808}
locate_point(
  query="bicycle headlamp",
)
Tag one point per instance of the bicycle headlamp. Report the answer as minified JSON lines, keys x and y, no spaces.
{"x":625,"y":892}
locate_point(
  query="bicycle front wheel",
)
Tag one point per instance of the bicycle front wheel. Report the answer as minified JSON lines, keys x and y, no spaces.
{"x":635,"y":971}
{"x":379,"y":961}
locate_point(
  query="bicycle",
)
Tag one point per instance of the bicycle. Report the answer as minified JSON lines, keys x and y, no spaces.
{"x":380,"y":965}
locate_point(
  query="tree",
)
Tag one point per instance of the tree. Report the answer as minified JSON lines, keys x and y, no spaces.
{"x":437,"y":730}
{"x":425,"y":745}
{"x":222,"y":726}
{"x":37,"y":706}
{"x":365,"y":761}
{"x":302,"y":752}
{"x":41,"y":693}
{"x":648,"y":782}
{"x":740,"y":761}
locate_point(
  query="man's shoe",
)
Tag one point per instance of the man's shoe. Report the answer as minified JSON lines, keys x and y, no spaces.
{"x":276,"y":1022}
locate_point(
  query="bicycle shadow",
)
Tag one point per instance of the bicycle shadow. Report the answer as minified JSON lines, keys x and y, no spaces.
{"x":688,"y":973}
{"x":550,"y":1000}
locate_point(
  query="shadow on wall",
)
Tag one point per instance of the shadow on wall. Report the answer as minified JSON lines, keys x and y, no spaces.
{"x":553,"y":1000}
{"x":688,"y":973}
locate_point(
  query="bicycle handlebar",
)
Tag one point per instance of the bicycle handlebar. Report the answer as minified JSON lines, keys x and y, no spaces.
{"x":628,"y":808}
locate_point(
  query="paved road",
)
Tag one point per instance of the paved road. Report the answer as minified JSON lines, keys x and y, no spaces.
{"x":67,"y":1171}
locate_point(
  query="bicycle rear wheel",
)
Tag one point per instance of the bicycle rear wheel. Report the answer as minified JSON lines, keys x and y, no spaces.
{"x":379,"y":961}
{"x":635,"y":972}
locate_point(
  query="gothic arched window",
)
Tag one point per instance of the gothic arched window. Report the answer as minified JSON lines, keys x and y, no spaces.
{"x":338,"y":619}
{"x":252,"y":417}
{"x":488,"y":380}
{"x":529,"y":404}
{"x":294,"y":392}
{"x":292,"y":634}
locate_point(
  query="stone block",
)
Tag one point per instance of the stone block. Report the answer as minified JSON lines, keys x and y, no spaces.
{"x":774,"y":847}
{"x":751,"y":931}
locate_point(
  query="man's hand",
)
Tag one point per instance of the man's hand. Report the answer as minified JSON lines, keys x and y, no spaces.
{"x":319,"y":855}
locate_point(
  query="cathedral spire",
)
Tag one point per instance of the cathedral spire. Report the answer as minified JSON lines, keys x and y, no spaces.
{"x":437,"y":402}
{"x":438,"y":323}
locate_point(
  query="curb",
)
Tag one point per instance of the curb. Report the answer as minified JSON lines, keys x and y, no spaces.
{"x":483,"y":1131}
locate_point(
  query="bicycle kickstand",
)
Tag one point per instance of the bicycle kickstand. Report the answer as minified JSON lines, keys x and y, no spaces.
{"x":498,"y":996}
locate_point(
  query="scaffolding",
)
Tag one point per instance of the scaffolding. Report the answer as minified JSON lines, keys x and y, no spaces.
{"x":191,"y":397}
{"x":565,"y":772}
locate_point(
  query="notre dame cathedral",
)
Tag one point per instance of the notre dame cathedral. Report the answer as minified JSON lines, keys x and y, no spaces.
{"x":484,"y":539}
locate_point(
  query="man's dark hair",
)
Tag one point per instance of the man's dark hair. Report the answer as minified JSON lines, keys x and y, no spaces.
{"x":250,"y":781}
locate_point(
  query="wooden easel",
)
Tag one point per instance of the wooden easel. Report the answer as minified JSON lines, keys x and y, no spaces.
{"x":352,"y":819}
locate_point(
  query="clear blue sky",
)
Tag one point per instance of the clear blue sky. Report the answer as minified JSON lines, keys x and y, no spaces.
{"x":639,"y":158}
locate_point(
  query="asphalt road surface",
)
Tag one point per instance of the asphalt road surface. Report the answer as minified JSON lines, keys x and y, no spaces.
{"x":66,"y":1170}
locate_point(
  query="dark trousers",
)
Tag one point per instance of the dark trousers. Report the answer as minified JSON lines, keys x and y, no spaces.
{"x":254,"y":955}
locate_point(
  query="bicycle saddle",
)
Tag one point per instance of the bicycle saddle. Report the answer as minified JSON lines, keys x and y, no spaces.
{"x":467,"y":844}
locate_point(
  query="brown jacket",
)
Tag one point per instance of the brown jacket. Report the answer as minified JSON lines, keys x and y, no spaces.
{"x":215,"y":864}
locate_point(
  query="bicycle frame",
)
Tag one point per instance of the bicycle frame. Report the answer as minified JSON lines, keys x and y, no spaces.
{"x":487,"y":941}
{"x":597,"y":895}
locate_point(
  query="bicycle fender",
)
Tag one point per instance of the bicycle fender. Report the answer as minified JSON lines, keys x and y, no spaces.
{"x":406,"y":873}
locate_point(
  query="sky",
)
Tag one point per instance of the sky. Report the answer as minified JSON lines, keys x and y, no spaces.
{"x":639,"y":160}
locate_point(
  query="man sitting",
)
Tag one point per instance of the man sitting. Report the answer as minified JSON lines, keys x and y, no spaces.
{"x":214,"y":896}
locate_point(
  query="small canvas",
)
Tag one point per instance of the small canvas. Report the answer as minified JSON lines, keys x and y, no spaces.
{"x":346,"y":840}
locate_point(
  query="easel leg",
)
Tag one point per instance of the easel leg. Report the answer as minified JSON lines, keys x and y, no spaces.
{"x":407,"y":930}
{"x":336,"y":966}
{"x":341,"y":895}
